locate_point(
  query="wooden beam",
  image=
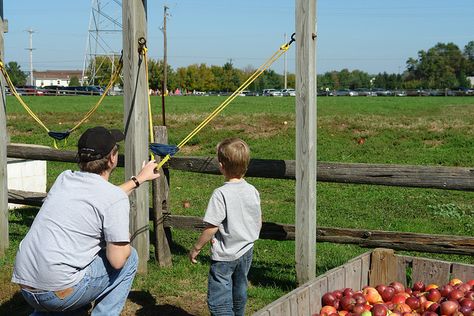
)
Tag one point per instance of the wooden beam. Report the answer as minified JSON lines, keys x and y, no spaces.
{"x":136,"y":118}
{"x":433,"y":177}
{"x":4,"y":242}
{"x":161,"y":205}
{"x":461,"y":245}
{"x":306,"y":118}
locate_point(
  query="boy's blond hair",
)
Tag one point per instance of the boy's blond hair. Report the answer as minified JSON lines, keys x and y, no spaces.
{"x":234,"y":155}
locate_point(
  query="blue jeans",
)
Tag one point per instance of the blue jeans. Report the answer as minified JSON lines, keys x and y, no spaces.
{"x":101,"y":283}
{"x":227,"y":286}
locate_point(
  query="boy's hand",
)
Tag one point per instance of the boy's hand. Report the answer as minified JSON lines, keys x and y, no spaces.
{"x":193,"y":253}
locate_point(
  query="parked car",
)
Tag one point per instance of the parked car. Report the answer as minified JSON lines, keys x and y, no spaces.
{"x":288,"y":92}
{"x":276,"y":93}
{"x":364,"y":92}
{"x":29,"y":90}
{"x":267,"y":92}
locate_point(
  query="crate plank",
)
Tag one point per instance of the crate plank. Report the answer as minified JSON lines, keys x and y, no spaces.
{"x":464,"y":272}
{"x":293,"y":305}
{"x":316,"y":291}
{"x":365,"y":268}
{"x":280,"y":309}
{"x":336,"y":278}
{"x":302,"y":302}
{"x":430,"y":271}
{"x":353,"y":274}
{"x":383,"y":267}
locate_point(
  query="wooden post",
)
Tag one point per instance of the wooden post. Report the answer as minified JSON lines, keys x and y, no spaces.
{"x":3,"y":153}
{"x":383,"y":267}
{"x":305,"y":237}
{"x":160,"y":203}
{"x":136,"y":119}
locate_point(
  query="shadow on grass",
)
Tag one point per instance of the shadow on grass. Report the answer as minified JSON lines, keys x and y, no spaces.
{"x":149,"y":307}
{"x":16,"y":305}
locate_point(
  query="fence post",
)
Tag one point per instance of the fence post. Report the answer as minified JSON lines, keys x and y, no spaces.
{"x":135,"y":94}
{"x":3,"y":153}
{"x":160,"y":203}
{"x":305,"y":196}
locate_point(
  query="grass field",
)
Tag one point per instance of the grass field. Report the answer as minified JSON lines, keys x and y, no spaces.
{"x":434,"y":131}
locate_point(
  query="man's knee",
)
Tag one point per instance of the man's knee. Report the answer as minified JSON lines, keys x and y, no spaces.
{"x":132,"y":260}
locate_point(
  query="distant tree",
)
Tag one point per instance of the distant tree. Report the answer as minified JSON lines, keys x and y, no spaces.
{"x":156,"y":75}
{"x":469,"y":54}
{"x":442,"y":66}
{"x":103,"y":67}
{"x":74,"y":81}
{"x":17,"y":76}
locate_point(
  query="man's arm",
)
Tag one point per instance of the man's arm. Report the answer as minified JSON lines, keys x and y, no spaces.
{"x":117,"y":253}
{"x":206,"y":236}
{"x":148,"y":172}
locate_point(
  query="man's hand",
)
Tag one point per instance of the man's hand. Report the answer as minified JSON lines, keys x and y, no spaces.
{"x":148,"y":172}
{"x":193,"y":253}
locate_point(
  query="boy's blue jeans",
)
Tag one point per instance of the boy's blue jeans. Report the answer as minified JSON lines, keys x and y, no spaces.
{"x":101,"y":283}
{"x":227,"y":286}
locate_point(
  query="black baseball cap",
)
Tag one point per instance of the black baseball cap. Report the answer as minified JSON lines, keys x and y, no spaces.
{"x":97,"y":142}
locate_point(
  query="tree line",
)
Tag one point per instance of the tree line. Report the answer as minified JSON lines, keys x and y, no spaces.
{"x":444,"y":66}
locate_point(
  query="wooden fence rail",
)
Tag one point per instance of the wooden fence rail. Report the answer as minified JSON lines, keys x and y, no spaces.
{"x":366,"y":238}
{"x":449,"y":178}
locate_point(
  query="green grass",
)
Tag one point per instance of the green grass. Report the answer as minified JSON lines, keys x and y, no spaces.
{"x":434,"y":131}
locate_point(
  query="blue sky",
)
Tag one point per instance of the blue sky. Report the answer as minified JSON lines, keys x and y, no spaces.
{"x":370,"y":35}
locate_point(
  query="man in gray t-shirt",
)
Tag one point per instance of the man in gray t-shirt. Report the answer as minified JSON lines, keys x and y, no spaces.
{"x":233,"y":222}
{"x":78,"y":247}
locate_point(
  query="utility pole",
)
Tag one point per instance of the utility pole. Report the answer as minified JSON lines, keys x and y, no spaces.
{"x":164,"y":87}
{"x":285,"y":65}
{"x":165,"y":51}
{"x":30,"y":32}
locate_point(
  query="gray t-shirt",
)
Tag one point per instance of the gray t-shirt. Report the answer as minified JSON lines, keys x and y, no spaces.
{"x":235,"y":209}
{"x":81,"y":212}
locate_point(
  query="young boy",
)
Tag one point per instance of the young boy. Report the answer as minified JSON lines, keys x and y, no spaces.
{"x":233,"y":222}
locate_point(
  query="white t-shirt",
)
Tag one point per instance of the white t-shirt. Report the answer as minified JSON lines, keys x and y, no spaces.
{"x":235,"y":209}
{"x":81,"y":213}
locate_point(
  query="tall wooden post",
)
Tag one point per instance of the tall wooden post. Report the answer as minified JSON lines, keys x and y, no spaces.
{"x":3,"y":153}
{"x":136,"y":119}
{"x":305,"y":237}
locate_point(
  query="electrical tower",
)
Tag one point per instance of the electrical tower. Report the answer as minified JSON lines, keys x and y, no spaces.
{"x":31,"y":49}
{"x":104,"y":40}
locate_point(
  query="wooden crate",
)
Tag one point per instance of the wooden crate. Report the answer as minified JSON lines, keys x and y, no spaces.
{"x":380,"y":266}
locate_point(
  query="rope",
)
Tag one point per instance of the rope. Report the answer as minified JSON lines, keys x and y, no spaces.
{"x":61,"y":135}
{"x":143,"y":52}
{"x":283,"y":49}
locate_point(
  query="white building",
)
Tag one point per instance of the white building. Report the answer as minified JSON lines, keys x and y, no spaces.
{"x":55,"y":77}
{"x":471,"y":79}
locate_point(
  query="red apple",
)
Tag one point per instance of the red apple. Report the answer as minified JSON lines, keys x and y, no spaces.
{"x":455,"y":295}
{"x":469,"y":295}
{"x":337,"y":294}
{"x":465,"y":310}
{"x":449,"y":307}
{"x":387,"y":293}
{"x":455,"y":282}
{"x":446,"y":289}
{"x":380,"y":288}
{"x":347,"y":303}
{"x":379,"y":310}
{"x":360,"y":298}
{"x":328,"y":299}
{"x":402,"y":308}
{"x":419,"y":286}
{"x":399,"y":298}
{"x":328,"y":310}
{"x":466,"y":302}
{"x":358,"y":309}
{"x":413,"y":302}
{"x":434,"y":307}
{"x":348,"y":292}
{"x":471,"y":282}
{"x":433,"y":295}
{"x":397,"y":286}
{"x":464,"y":287}
{"x":431,"y":286}
{"x":428,"y":313}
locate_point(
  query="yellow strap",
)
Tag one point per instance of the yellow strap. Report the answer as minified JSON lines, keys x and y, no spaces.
{"x":17,"y":96}
{"x":112,"y":81}
{"x":150,"y":118}
{"x":229,"y":99}
{"x":110,"y":85}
